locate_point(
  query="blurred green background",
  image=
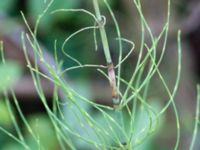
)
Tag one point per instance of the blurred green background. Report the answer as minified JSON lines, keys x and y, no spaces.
{"x":59,"y":26}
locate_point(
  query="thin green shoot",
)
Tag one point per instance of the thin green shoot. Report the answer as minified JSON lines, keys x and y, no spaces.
{"x":194,"y":135}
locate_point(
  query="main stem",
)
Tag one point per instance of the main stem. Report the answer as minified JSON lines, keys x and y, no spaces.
{"x":111,"y":71}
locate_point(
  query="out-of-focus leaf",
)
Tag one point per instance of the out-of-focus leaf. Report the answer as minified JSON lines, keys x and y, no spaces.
{"x":10,"y":72}
{"x":5,"y":119}
{"x":76,"y":120}
{"x":36,"y":7}
{"x":12,"y":146}
{"x":7,"y":124}
{"x":142,"y":122}
{"x":44,"y":130}
{"x":6,"y":5}
{"x":102,"y":4}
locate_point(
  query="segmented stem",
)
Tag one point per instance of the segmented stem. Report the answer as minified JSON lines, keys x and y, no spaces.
{"x":111,"y":72}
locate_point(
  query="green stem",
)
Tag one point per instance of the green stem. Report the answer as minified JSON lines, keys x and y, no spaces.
{"x":102,"y":32}
{"x":111,"y":72}
{"x":196,"y":119}
{"x":2,"y":52}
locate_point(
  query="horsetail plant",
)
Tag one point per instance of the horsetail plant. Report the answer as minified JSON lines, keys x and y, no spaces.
{"x":2,"y":53}
{"x":132,"y":119}
{"x":111,"y":72}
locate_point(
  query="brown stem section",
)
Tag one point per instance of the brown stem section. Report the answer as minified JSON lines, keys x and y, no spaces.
{"x":112,"y":79}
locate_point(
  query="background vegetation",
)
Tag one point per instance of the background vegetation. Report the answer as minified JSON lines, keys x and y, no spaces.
{"x":27,"y":121}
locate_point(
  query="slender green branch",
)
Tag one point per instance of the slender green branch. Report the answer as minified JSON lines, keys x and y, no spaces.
{"x":2,"y":52}
{"x":196,"y":118}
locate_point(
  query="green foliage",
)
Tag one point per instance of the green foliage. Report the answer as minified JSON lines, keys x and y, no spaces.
{"x":43,"y":128}
{"x":37,"y":7}
{"x":152,"y":128}
{"x":5,"y":119}
{"x":76,"y":120}
{"x":12,"y":146}
{"x":10,"y":72}
{"x":7,"y":5}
